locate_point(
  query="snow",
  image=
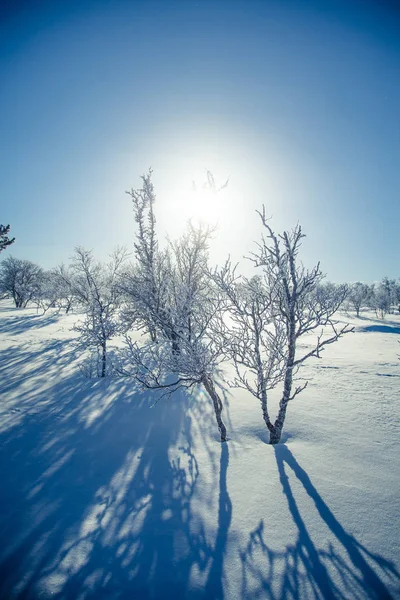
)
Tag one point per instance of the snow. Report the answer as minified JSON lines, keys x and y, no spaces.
{"x":104,"y":496}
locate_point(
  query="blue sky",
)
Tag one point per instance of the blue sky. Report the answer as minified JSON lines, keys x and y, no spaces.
{"x":297,"y":102}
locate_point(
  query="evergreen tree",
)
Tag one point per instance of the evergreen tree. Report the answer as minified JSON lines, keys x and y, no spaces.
{"x":4,"y":239}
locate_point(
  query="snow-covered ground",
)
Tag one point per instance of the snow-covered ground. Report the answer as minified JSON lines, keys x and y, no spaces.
{"x":103,"y":496}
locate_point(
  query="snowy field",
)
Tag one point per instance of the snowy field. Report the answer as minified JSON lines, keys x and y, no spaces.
{"x":105,"y":497}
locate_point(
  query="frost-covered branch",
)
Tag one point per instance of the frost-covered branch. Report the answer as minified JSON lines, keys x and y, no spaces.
{"x":170,"y":295}
{"x":95,"y":288}
{"x":270,"y":312}
{"x":301,"y":305}
{"x":255,"y":337}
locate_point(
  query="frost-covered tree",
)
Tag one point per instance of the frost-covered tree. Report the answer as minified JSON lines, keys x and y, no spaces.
{"x":210,"y":184}
{"x":55,"y":290}
{"x":182,"y":310}
{"x":5,"y":241}
{"x":358,"y":296}
{"x":370,"y":301}
{"x":271,"y":314}
{"x":382,"y":297}
{"x":142,"y":284}
{"x":62,"y":290}
{"x":146,"y":284}
{"x":94,"y":287}
{"x":301,"y":304}
{"x":47,"y":294}
{"x":253,"y":334}
{"x":21,"y":280}
{"x":392,"y":290}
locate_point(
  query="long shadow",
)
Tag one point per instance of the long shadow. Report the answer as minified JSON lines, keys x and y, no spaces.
{"x":22,"y":323}
{"x":374,"y":319}
{"x":304,"y":571}
{"x":18,"y":365}
{"x":97,"y":487}
{"x":368,"y":578}
{"x":381,"y":328}
{"x":214,"y":586}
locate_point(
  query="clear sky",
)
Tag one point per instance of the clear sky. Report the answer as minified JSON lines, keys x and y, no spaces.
{"x":297,"y":101}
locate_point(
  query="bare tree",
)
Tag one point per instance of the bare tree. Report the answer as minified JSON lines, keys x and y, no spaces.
{"x":184,"y":351}
{"x":379,"y":299}
{"x":387,"y":296}
{"x":21,"y":279}
{"x":301,"y":304}
{"x":95,"y":289}
{"x":253,"y":333}
{"x":270,"y":312}
{"x":47,"y":294}
{"x":63,"y":291}
{"x":210,"y":184}
{"x":358,"y":296}
{"x":142,"y":284}
{"x":146,"y":284}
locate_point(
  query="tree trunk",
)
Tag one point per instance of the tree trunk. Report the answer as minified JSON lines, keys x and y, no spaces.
{"x":276,"y":430}
{"x":275,"y":434}
{"x":175,"y":344}
{"x":103,"y":359}
{"x":68,"y":307}
{"x":210,"y":388}
{"x":262,"y":384}
{"x":264,"y":407}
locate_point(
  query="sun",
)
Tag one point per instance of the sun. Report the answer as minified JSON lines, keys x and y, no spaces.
{"x":203,"y":202}
{"x":204,"y":206}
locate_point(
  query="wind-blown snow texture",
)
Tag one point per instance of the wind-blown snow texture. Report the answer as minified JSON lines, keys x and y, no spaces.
{"x":103,"y":496}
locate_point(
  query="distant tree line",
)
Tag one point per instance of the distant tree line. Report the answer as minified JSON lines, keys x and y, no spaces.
{"x":195,"y":318}
{"x":382,"y":298}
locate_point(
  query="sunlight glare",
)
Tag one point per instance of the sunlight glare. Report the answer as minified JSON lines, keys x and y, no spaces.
{"x":202,"y":202}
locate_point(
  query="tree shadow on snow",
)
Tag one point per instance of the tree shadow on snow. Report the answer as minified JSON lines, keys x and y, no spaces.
{"x":97,"y":488}
{"x":381,"y":328}
{"x":214,"y":585}
{"x":22,"y":323}
{"x":347,"y":570}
